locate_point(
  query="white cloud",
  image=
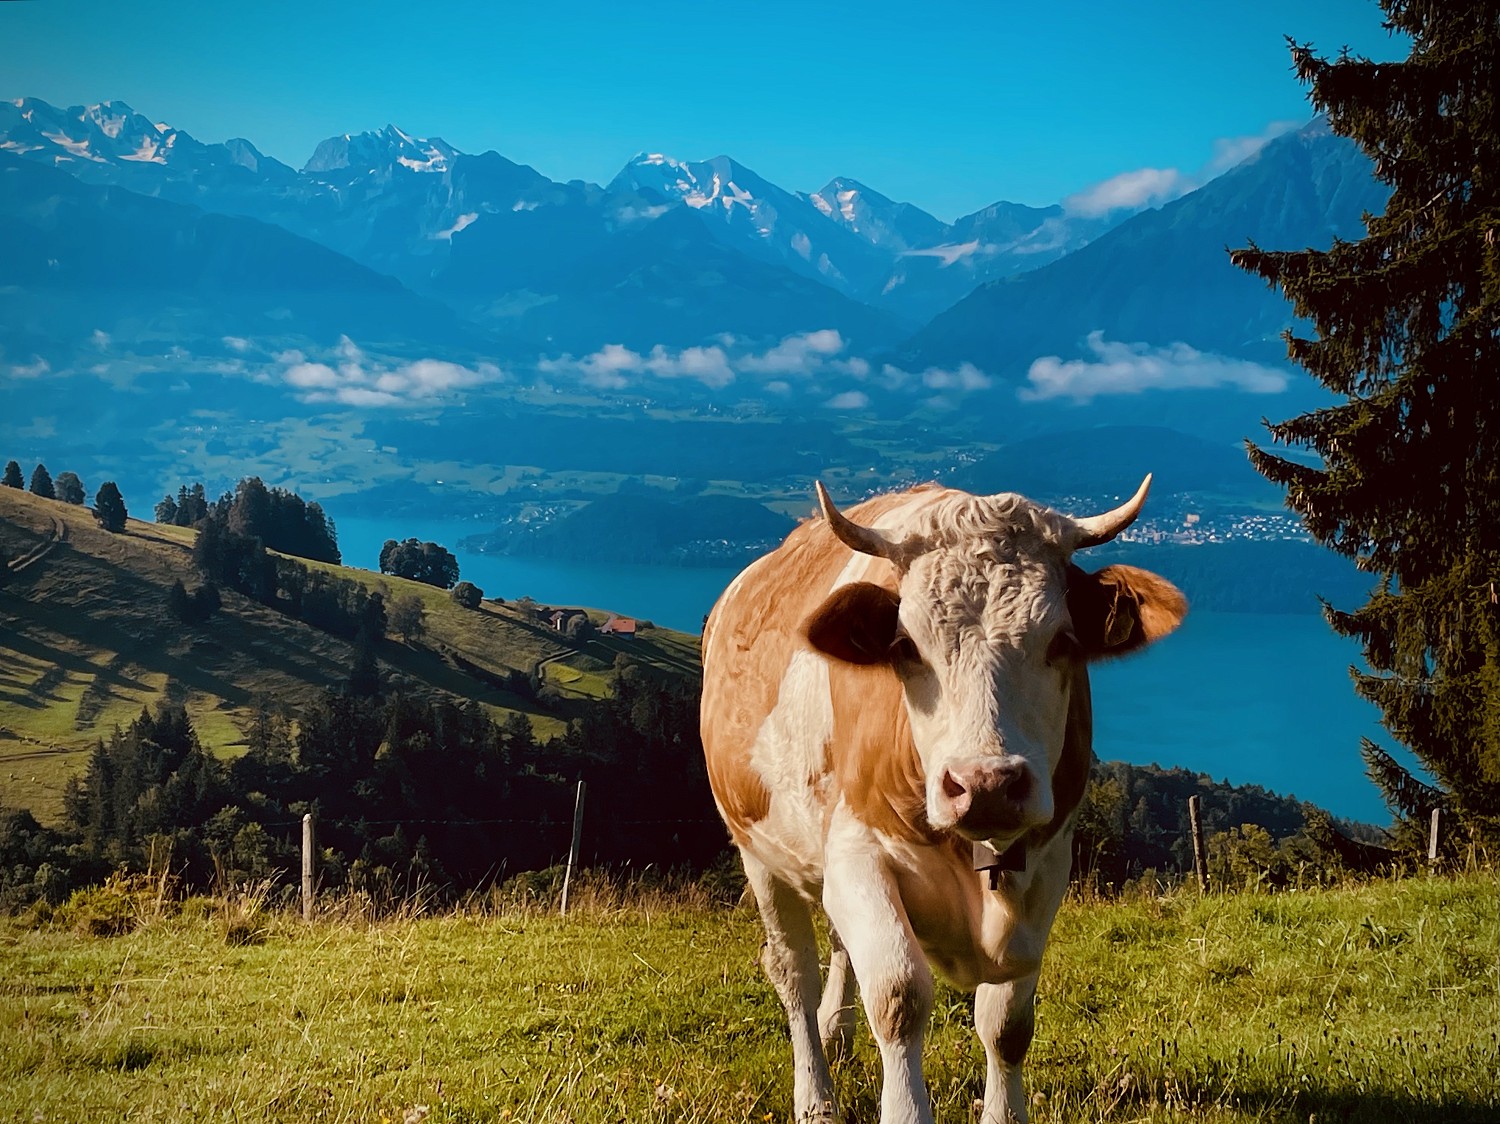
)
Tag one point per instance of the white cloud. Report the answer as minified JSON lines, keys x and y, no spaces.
{"x":798,"y":354}
{"x":1229,"y":151}
{"x":806,"y":354}
{"x":1143,"y":187}
{"x":709,"y":365}
{"x":237,"y":343}
{"x":1129,"y":368}
{"x":813,"y":363}
{"x":35,"y":369}
{"x":100,"y":338}
{"x":849,"y":400}
{"x":305,"y":375}
{"x":357,"y":380}
{"x":1151,"y":187}
{"x":965,"y":377}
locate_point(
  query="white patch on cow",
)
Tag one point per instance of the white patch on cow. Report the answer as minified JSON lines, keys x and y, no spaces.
{"x":789,"y":756}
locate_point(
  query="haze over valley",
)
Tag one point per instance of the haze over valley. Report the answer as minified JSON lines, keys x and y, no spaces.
{"x":583,"y":388}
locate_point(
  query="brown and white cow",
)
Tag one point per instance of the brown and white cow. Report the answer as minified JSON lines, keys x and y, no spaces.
{"x":887,"y":696}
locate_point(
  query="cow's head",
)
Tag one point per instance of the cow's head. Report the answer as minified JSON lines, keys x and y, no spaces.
{"x":988,"y":627}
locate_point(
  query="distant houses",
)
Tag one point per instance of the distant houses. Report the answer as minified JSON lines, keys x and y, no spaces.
{"x":564,"y":620}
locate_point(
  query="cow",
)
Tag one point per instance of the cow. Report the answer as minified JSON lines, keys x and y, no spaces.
{"x":897,"y":725}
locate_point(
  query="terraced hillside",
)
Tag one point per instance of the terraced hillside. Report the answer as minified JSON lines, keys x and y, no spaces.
{"x":86,"y":641}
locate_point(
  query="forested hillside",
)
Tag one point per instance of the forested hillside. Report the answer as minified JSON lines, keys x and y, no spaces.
{"x":90,"y":637}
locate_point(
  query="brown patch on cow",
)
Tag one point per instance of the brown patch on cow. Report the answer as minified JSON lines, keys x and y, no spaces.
{"x":856,"y":624}
{"x":1016,"y":1034}
{"x":748,"y":643}
{"x":898,"y":1013}
{"x":1121,"y":609}
{"x":873,"y":755}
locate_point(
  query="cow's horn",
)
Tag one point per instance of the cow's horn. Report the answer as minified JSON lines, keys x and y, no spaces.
{"x":1096,"y":529}
{"x":864,"y":540}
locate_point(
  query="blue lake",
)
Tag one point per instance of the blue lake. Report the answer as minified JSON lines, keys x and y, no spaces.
{"x":1252,"y":699}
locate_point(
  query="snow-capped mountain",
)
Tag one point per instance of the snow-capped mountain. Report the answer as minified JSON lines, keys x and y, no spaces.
{"x":758,"y":218}
{"x":1162,"y":277}
{"x":675,"y":252}
{"x":445,"y":221}
{"x":352,"y":155}
{"x":113,"y":144}
{"x":881,"y":222}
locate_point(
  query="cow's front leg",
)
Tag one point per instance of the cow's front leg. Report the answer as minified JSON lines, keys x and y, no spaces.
{"x":790,"y":959}
{"x":1004,"y":1018}
{"x":894,"y":980}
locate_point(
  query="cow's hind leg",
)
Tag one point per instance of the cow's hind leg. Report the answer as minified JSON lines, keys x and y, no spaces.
{"x":836,"y":1013}
{"x":790,"y":958}
{"x":1003,"y":1016}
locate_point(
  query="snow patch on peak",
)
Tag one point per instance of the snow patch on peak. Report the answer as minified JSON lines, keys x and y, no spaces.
{"x":946,"y":254}
{"x":458,"y":224}
{"x":147,"y":152}
{"x":73,"y":147}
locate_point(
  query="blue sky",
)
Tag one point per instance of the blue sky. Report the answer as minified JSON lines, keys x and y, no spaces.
{"x":948,"y":105}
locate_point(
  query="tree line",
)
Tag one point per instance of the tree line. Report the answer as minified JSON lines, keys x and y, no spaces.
{"x":109,"y":505}
{"x":407,"y":793}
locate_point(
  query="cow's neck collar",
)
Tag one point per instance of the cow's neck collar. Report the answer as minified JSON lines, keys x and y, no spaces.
{"x":1013,"y":858}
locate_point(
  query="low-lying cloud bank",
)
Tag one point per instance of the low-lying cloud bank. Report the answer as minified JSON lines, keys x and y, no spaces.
{"x":354,"y":379}
{"x":1129,"y":368}
{"x":803,"y":356}
{"x":814,"y":363}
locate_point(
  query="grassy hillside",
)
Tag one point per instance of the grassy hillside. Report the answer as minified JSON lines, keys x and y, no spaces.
{"x":86,"y":641}
{"x":1368,"y":1004}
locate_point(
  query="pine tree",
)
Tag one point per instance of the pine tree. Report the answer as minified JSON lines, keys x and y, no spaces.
{"x":13,"y":477}
{"x":1406,"y":331}
{"x":41,"y":483}
{"x":109,"y":507}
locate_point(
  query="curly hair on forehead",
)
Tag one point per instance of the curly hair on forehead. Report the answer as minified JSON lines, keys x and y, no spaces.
{"x":956,"y":518}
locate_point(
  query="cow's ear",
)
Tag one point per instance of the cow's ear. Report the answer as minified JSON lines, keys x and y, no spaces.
{"x":856,"y":624}
{"x":1121,"y":608}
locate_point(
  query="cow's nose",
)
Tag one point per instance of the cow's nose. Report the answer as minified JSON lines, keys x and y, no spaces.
{"x":985,"y":795}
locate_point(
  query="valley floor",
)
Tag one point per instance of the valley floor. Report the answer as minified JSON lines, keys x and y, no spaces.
{"x":1368,"y":1003}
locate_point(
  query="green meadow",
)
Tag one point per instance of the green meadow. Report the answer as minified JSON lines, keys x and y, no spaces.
{"x":1373,"y":1002}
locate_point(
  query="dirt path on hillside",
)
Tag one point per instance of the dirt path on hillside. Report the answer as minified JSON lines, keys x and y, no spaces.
{"x":42,"y":549}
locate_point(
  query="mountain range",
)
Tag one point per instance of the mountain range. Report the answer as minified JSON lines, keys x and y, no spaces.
{"x":408,"y":242}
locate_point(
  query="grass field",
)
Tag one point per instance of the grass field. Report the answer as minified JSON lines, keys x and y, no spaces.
{"x":86,"y":642}
{"x":1371,"y":1003}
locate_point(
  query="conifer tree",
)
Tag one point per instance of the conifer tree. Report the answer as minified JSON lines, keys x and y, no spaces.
{"x":109,"y":507}
{"x":41,"y":483}
{"x":13,"y":477}
{"x":1405,"y":330}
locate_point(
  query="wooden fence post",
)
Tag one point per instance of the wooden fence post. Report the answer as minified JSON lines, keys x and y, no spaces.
{"x":1432,"y":837}
{"x":573,"y":850}
{"x":309,"y":866}
{"x":1200,"y":853}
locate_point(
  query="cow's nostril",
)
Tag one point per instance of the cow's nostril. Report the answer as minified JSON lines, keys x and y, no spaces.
{"x":1018,"y":788}
{"x":953,"y":788}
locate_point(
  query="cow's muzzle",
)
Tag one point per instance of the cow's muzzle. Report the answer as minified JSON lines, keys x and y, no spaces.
{"x":987,"y":797}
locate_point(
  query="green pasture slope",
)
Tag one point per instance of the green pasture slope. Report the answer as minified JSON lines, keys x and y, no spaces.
{"x":1370,"y":1003}
{"x":86,"y":642}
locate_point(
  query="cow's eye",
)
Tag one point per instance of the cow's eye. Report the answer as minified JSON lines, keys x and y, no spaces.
{"x":1064,"y":646}
{"x":904,"y":651}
